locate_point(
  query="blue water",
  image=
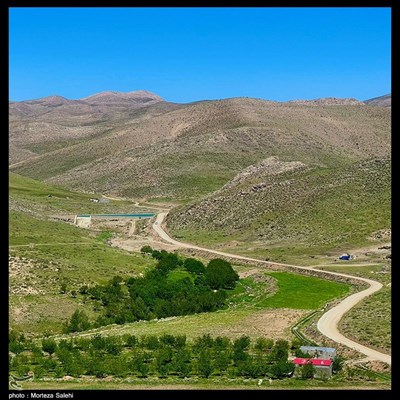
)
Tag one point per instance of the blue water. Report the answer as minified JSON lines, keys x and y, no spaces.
{"x":148,"y":215}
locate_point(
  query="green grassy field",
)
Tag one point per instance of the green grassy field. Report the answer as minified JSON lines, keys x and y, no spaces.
{"x":46,"y":255}
{"x":301,"y":292}
{"x":46,"y":199}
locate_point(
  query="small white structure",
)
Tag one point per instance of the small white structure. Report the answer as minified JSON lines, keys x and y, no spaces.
{"x":83,"y":221}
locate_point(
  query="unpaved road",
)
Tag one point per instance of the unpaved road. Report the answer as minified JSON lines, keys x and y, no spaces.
{"x":327,"y":324}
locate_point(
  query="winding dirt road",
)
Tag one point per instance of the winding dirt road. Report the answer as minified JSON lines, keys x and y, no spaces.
{"x":328,"y":323}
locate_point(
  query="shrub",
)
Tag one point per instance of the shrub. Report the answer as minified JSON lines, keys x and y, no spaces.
{"x":204,"y":365}
{"x":220,"y":274}
{"x":49,"y":345}
{"x":78,"y":322}
{"x":307,"y":371}
{"x":337,"y":364}
{"x":146,"y":250}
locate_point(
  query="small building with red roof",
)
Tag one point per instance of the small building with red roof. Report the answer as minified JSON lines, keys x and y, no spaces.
{"x":323,"y":367}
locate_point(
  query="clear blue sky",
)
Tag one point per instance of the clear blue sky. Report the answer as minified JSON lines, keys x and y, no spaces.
{"x":189,"y":54}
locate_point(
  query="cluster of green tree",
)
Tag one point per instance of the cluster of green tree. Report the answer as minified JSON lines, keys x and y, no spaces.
{"x":174,"y":287}
{"x":162,"y":356}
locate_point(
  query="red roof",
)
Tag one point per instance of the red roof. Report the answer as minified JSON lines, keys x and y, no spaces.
{"x":313,"y":361}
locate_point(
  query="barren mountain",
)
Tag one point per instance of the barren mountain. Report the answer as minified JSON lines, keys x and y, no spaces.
{"x":119,"y":98}
{"x":328,"y":101}
{"x":42,"y":125}
{"x":382,"y":101}
{"x":185,"y":150}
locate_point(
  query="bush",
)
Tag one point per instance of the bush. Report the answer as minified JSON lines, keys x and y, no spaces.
{"x":307,"y":371}
{"x":204,"y":365}
{"x":98,"y":342}
{"x":16,"y":347}
{"x":78,"y":322}
{"x":49,"y":345}
{"x":280,"y":351}
{"x":220,"y":274}
{"x":150,"y":342}
{"x":281,"y":369}
{"x":146,"y":250}
{"x":263,"y":344}
{"x":337,"y":364}
{"x":131,"y":341}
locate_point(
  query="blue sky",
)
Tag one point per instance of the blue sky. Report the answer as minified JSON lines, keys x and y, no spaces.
{"x":189,"y":54}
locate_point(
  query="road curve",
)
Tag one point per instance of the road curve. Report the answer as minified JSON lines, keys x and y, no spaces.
{"x":328,"y":323}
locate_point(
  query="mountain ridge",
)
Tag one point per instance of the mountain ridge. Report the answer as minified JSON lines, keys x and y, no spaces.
{"x":134,"y":152}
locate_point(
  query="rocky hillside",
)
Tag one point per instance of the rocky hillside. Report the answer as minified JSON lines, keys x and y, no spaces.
{"x":185,"y":150}
{"x":43,"y":125}
{"x":329,"y":101}
{"x":276,"y":203}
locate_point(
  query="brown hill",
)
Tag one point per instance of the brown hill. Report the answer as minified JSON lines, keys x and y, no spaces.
{"x":381,"y":101}
{"x":328,"y":101}
{"x":188,"y":150}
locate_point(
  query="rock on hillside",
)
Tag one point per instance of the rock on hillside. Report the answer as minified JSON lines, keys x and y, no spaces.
{"x":269,"y":166}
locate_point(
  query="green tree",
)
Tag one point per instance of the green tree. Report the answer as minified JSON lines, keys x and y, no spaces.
{"x":16,"y":347}
{"x":78,"y":322}
{"x":301,"y":354}
{"x":150,"y":342}
{"x":49,"y":345}
{"x":131,"y":341}
{"x":243,"y":342}
{"x":98,"y":342}
{"x":263,"y":344}
{"x":204,"y":365}
{"x":142,"y":369}
{"x":146,"y":250}
{"x":280,"y":351}
{"x":222,"y":343}
{"x":163,"y":358}
{"x":222,"y":360}
{"x":337,"y":364}
{"x":281,"y":369}
{"x":220,"y":274}
{"x":194,"y":266}
{"x":307,"y":371}
{"x":181,"y":363}
{"x":113,"y":346}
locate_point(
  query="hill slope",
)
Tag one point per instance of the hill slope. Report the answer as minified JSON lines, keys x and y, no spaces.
{"x":186,"y":151}
{"x":382,"y":101}
{"x":42,"y":125}
{"x":279,"y":203}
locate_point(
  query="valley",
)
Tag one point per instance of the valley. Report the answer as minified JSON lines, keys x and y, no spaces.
{"x":279,"y":190}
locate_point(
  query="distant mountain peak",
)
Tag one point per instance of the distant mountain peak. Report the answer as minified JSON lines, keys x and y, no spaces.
{"x":53,"y":100}
{"x":138,"y":96}
{"x":382,"y":101}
